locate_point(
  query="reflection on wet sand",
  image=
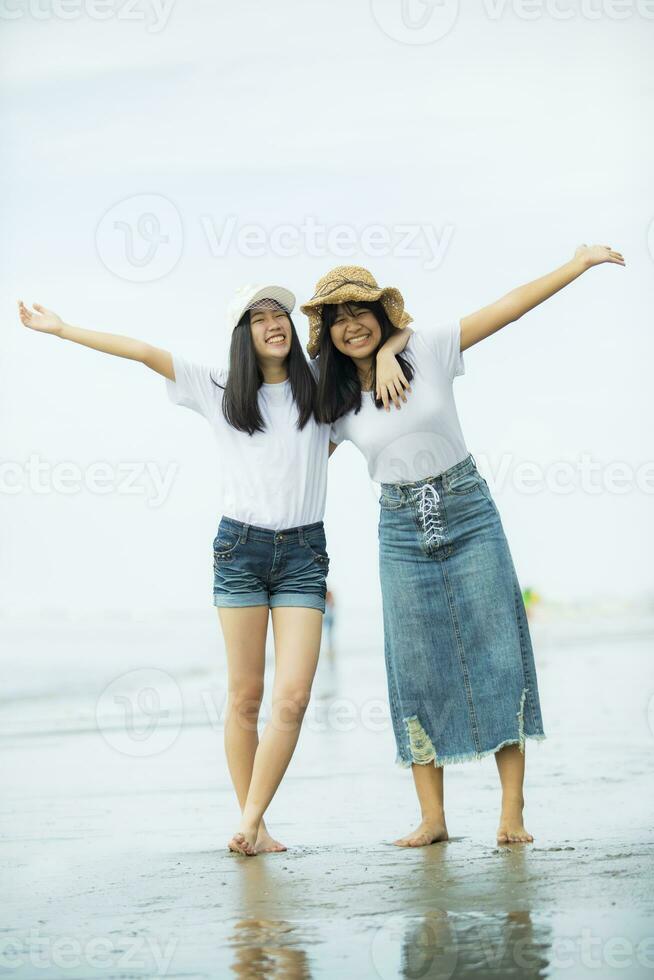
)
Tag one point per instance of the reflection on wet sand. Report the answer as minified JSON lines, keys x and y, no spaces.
{"x":444,"y":944}
{"x":266,"y":945}
{"x":265,"y":949}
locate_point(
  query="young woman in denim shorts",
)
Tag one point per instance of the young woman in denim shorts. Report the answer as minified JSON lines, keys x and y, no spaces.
{"x":460,"y":666}
{"x":269,"y":552}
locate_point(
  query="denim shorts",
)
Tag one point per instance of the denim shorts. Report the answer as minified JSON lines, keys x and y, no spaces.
{"x":254,"y":566}
{"x":459,"y":660}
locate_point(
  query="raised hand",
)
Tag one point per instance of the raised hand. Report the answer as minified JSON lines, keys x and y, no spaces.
{"x":43,"y":320}
{"x":592,"y":255}
{"x":391,"y":380}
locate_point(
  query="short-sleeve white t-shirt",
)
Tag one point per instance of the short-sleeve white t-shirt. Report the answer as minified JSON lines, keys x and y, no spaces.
{"x":424,"y":436}
{"x":275,"y":479}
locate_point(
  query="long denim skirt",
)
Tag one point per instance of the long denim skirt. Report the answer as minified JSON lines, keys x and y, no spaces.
{"x":459,"y":659}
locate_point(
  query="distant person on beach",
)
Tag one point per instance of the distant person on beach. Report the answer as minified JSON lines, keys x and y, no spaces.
{"x":460,"y":666}
{"x":269,"y":553}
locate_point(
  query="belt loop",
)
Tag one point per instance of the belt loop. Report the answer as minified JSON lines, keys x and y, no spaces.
{"x":244,"y":533}
{"x":474,"y":460}
{"x":300,"y":535}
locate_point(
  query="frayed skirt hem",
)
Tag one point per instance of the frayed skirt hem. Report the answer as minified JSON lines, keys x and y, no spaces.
{"x":447,"y":760}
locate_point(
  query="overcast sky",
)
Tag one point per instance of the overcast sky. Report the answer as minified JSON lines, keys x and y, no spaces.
{"x":157,"y":159}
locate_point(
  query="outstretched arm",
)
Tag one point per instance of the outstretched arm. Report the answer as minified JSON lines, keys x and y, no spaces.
{"x":47,"y":321}
{"x":515,"y":304}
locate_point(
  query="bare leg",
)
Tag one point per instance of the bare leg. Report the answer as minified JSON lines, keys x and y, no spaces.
{"x":511,"y":766}
{"x":245,"y":631}
{"x":297,"y":646}
{"x":428,"y":780}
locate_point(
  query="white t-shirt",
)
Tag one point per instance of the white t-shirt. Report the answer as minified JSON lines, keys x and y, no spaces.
{"x":424,"y":436}
{"x":275,"y":479}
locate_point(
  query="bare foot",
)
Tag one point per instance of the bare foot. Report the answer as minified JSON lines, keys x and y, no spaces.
{"x":243,"y":842}
{"x":266,"y":844}
{"x":511,"y":829}
{"x":430,"y":831}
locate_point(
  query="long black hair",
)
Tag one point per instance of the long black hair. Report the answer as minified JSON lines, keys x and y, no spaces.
{"x":244,"y":378}
{"x":339,"y":387}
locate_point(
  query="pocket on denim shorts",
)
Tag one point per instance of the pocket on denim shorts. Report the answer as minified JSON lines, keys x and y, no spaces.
{"x":225,"y":544}
{"x":316,"y":543}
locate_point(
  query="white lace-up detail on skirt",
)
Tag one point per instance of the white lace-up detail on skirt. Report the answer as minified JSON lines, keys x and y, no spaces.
{"x":429,"y":511}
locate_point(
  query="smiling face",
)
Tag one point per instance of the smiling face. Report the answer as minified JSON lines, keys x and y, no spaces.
{"x":270,"y":327}
{"x":355,"y":331}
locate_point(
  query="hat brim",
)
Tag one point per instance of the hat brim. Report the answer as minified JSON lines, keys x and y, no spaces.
{"x":282,"y":296}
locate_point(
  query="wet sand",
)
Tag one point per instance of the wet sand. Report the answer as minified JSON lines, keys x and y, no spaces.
{"x":117,"y":808}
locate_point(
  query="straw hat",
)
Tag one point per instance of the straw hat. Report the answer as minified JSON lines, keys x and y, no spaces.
{"x":351,"y":283}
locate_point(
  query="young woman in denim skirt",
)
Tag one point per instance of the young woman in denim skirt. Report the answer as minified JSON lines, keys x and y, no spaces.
{"x":460,"y":666}
{"x":270,"y":551}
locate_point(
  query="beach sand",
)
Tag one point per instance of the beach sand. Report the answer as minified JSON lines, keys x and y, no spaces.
{"x":117,"y":808}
